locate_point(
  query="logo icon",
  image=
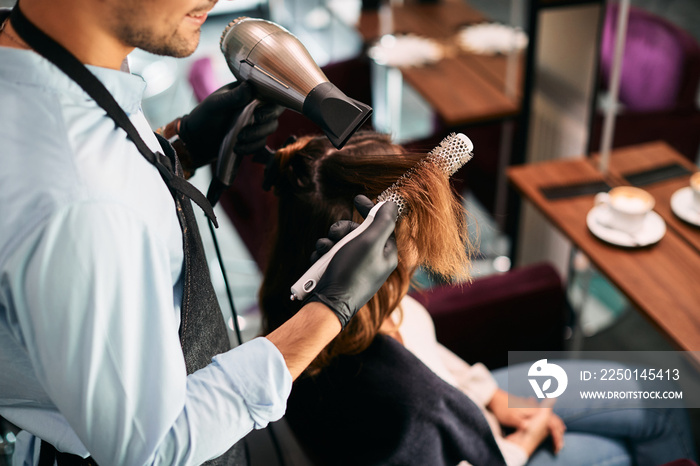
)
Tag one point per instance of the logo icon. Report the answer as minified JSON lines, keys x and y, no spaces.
{"x":547,"y":371}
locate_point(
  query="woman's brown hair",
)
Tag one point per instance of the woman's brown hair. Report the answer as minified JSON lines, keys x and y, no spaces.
{"x":316,"y":185}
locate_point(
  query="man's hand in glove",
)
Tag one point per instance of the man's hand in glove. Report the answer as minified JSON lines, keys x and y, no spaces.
{"x":359,"y":268}
{"x":203,"y":130}
{"x":352,"y":277}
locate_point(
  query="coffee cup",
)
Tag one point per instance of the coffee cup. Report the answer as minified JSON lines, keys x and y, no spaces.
{"x":627,"y":207}
{"x":695,"y":187}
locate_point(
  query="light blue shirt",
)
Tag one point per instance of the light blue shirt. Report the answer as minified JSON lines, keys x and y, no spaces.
{"x":90,"y":266}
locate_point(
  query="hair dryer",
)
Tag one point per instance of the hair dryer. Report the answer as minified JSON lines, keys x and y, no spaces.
{"x":282,"y":71}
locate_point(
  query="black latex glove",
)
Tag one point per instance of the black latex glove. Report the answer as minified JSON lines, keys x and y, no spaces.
{"x":361,"y":267}
{"x":203,"y":130}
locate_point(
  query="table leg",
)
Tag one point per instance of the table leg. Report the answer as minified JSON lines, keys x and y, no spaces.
{"x":394,"y":94}
{"x":576,"y":342}
{"x":506,"y":147}
{"x":387,"y":86}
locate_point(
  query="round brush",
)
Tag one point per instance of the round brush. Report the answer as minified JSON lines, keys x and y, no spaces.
{"x":453,"y":152}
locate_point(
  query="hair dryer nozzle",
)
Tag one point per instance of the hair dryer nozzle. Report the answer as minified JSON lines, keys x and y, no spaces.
{"x":336,"y":114}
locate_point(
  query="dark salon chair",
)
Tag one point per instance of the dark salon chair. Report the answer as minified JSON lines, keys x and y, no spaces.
{"x":520,"y":310}
{"x":658,"y":85}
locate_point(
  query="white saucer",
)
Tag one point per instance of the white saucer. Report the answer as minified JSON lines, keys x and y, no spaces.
{"x":682,"y":205}
{"x":653,"y":230}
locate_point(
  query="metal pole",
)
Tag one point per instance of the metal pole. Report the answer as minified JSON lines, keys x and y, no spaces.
{"x":609,"y":121}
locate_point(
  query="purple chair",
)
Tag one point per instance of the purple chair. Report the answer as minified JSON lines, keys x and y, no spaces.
{"x":202,"y":78}
{"x":520,"y":310}
{"x":658,"y":85}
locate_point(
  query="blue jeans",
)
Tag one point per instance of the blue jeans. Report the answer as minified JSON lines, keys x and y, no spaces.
{"x":611,"y":435}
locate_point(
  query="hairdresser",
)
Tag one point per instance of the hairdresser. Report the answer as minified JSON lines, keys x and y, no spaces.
{"x":112,"y":345}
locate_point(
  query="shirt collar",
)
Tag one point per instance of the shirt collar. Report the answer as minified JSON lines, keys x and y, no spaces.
{"x":28,"y":67}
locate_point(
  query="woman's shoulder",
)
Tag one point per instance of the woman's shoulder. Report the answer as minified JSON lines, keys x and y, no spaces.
{"x":386,"y":370}
{"x":393,"y":405}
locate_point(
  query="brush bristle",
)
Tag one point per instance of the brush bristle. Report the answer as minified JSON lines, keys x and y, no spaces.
{"x":449,"y":156}
{"x":453,"y":152}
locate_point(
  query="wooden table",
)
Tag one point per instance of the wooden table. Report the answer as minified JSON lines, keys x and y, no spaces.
{"x":662,"y":280}
{"x":437,"y":20}
{"x":463,"y":87}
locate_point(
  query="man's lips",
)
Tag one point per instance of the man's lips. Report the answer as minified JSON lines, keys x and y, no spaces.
{"x":198,"y":16}
{"x":197,"y":19}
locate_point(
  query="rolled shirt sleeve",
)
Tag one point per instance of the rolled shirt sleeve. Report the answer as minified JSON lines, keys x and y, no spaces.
{"x":93,"y":291}
{"x":264,"y":384}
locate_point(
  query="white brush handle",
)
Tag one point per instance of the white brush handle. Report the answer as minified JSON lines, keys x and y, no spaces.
{"x":308,"y":281}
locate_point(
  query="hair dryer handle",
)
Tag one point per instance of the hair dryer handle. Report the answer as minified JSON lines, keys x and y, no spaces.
{"x":228,"y":161}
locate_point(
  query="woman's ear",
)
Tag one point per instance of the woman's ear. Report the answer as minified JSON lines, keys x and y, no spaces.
{"x":272,"y":169}
{"x":290,"y":140}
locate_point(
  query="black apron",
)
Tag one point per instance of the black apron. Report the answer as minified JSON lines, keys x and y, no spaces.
{"x":202,"y":330}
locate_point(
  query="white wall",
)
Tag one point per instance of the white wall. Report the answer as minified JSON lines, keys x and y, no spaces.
{"x":566,"y":49}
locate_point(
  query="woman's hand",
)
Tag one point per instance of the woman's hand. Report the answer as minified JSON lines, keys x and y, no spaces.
{"x":512,"y":417}
{"x":533,"y":422}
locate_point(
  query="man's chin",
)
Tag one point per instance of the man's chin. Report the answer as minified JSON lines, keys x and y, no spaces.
{"x":178,"y":47}
{"x":182,"y":53}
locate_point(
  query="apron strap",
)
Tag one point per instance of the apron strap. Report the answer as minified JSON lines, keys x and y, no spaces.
{"x":70,"y":65}
{"x":202,"y":332}
{"x":48,"y":456}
